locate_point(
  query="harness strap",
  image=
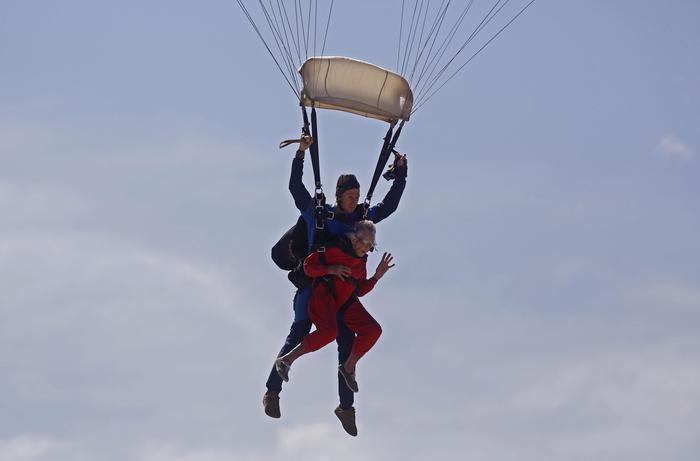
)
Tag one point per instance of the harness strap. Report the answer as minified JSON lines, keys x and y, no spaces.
{"x":319,"y":197}
{"x":346,"y":305}
{"x":314,"y":147}
{"x":327,"y":280}
{"x":387,"y":148}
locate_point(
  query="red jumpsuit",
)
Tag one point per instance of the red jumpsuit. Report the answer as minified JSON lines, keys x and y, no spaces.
{"x":324,"y":305}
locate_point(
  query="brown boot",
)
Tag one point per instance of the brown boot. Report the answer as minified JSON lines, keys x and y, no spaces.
{"x":347,"y":419}
{"x":271,"y":403}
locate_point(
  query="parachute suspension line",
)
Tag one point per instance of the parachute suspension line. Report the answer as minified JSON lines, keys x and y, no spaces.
{"x":473,"y":56}
{"x":398,"y":48}
{"x":442,"y":49}
{"x":434,"y":30}
{"x":328,"y":21}
{"x":387,"y":149}
{"x":299,"y":17}
{"x":408,"y":38}
{"x":414,"y":33}
{"x":273,"y":25}
{"x":272,"y":55}
{"x":422,"y":30}
{"x":325,"y":36}
{"x":440,"y":20}
{"x":296,"y":18}
{"x":484,"y":22}
{"x":277,"y":35}
{"x":285,"y":48}
{"x":286,"y":24}
{"x":315,"y":23}
{"x":308,"y":29}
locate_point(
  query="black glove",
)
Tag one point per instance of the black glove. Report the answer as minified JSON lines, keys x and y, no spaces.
{"x":395,"y":171}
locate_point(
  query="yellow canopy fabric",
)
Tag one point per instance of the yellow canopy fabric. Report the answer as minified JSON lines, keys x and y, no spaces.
{"x":355,"y":86}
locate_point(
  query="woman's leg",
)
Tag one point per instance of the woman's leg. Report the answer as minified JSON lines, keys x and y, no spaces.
{"x":322,"y":313}
{"x":367,"y":330}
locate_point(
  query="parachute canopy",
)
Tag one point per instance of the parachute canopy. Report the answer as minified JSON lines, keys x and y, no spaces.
{"x":355,"y":86}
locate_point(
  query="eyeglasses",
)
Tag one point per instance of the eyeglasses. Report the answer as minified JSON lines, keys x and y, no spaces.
{"x":366,"y":241}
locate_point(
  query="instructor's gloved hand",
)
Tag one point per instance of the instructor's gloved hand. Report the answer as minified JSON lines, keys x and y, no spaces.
{"x":399,"y":169}
{"x":305,"y":141}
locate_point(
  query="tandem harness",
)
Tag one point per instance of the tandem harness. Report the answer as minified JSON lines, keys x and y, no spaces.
{"x":328,"y":282}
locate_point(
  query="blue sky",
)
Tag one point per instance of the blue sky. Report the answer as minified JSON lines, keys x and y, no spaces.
{"x":546,"y":298}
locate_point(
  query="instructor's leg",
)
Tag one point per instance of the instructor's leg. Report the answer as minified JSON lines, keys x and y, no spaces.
{"x":299,"y":329}
{"x":345,"y":411}
{"x":345,"y":340}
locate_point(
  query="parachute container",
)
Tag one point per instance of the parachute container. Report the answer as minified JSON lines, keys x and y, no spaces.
{"x":357,"y":87}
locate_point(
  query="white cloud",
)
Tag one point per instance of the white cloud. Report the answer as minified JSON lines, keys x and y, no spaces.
{"x":16,"y":139}
{"x":25,"y":448}
{"x":28,"y":206}
{"x":313,"y":442}
{"x":103,"y":334}
{"x":667,"y":294}
{"x":168,"y":452}
{"x":674,"y":147}
{"x":113,"y":344}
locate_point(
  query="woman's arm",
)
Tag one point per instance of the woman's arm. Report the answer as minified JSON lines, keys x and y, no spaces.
{"x":314,"y":268}
{"x":366,"y":285}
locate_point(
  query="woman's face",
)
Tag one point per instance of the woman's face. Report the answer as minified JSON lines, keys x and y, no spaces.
{"x":348,"y":201}
{"x":362,"y":243}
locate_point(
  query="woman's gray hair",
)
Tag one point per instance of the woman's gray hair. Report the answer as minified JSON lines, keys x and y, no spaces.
{"x":365,"y":227}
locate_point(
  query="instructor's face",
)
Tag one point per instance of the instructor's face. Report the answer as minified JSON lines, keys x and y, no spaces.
{"x":348,"y":201}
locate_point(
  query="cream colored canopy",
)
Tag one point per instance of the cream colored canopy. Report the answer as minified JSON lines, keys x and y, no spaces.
{"x":357,"y":87}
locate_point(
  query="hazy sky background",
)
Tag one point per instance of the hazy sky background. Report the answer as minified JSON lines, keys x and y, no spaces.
{"x":546,"y":299}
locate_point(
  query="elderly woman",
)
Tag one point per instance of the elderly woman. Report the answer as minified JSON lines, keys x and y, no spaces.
{"x":340,"y":275}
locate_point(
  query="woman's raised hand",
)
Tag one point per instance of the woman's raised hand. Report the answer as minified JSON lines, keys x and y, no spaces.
{"x":384,"y":265}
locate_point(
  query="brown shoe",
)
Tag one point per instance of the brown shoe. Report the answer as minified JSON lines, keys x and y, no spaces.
{"x":347,"y":419}
{"x":271,"y":403}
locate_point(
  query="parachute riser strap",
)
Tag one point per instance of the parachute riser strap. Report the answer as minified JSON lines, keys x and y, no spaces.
{"x":381,"y":162}
{"x":326,"y":279}
{"x":305,"y":128}
{"x":313,"y":148}
{"x":387,"y":148}
{"x":319,"y":197}
{"x":304,"y":132}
